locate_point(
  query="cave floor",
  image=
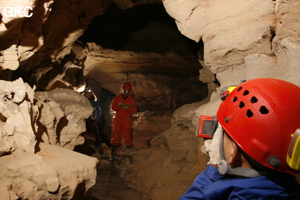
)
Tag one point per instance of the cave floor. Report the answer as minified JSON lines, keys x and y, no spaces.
{"x":109,"y":184}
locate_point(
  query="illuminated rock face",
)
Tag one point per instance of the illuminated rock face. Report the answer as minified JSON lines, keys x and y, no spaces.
{"x":17,"y":110}
{"x":242,"y":40}
{"x":36,"y":34}
{"x":38,"y":132}
{"x":246,"y":42}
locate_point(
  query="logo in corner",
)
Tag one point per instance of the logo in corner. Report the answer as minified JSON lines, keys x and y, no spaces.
{"x":14,"y":11}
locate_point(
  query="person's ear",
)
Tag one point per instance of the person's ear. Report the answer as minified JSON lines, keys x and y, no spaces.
{"x":235,"y":158}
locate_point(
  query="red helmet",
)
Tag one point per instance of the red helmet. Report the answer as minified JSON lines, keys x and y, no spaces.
{"x":260,"y":115}
{"x":126,"y":86}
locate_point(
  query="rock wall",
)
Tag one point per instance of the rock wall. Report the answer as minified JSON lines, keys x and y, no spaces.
{"x":255,"y":39}
{"x":62,"y":117}
{"x":42,"y":40}
{"x":34,"y":128}
{"x":19,"y":115}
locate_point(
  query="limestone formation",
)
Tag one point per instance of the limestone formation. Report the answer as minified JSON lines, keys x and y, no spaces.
{"x":62,"y":117}
{"x":51,"y":173}
{"x":18,"y":117}
{"x":34,"y":128}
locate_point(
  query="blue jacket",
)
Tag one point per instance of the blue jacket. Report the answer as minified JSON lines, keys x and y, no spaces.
{"x":96,"y":115}
{"x":209,"y":184}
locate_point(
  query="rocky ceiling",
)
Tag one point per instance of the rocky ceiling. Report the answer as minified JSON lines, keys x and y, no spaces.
{"x":143,"y":28}
{"x":148,"y":30}
{"x":142,"y":45}
{"x":70,"y":44}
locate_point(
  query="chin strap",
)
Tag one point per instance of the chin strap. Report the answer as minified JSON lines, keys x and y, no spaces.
{"x":224,"y":168}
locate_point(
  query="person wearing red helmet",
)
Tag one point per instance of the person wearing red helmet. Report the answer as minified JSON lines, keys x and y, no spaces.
{"x":124,"y":106}
{"x":255,"y":149}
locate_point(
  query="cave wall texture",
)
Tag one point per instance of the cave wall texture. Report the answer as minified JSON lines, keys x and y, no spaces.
{"x":52,"y":49}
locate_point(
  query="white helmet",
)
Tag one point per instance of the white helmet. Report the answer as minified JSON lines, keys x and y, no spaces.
{"x":88,"y":89}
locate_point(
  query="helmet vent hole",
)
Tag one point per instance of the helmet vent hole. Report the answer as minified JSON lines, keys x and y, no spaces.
{"x":263,"y":110}
{"x":246,"y":92}
{"x":235,"y":99}
{"x":249,"y":113}
{"x":242,"y":104}
{"x":253,"y":100}
{"x":239,"y":88}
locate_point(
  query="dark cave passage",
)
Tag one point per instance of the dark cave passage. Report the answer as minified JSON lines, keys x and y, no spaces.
{"x":142,"y":28}
{"x":145,"y":29}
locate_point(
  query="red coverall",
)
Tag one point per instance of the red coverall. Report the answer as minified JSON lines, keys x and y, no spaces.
{"x":122,"y":120}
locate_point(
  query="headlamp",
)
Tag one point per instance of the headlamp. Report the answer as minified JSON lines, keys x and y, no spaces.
{"x":293,"y":155}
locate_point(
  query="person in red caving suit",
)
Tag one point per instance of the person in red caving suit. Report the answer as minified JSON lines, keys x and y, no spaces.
{"x":124,"y":106}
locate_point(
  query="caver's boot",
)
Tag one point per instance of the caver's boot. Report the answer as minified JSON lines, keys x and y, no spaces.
{"x":130,"y":150}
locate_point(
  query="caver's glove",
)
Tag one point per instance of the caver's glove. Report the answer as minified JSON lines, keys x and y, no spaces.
{"x":212,"y":147}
